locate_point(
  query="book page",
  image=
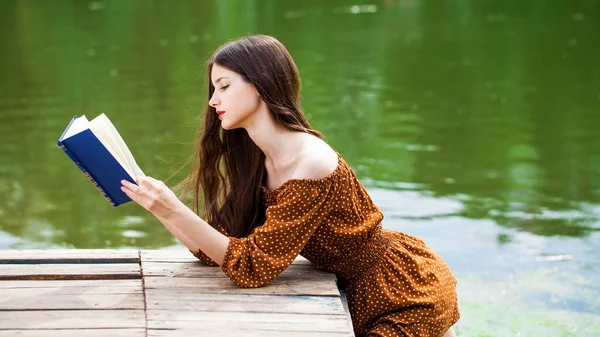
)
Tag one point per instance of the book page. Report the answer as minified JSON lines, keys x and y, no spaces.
{"x":78,"y":125}
{"x":106,"y":132}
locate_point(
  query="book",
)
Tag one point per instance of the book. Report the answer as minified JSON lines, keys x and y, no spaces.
{"x":98,"y":150}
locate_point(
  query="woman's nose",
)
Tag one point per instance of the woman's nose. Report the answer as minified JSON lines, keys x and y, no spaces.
{"x":214,"y":102}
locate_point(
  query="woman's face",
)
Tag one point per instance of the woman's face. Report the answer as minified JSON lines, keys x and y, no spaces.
{"x":234,"y":99}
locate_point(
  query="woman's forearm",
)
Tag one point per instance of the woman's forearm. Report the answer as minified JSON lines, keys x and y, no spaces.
{"x":181,"y":221}
{"x":196,"y":233}
{"x":177,"y":233}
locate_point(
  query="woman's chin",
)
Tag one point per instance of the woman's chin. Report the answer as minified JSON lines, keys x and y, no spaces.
{"x":224,"y":125}
{"x":227,"y":126}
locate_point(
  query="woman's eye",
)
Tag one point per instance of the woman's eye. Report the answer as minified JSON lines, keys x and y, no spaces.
{"x":224,"y":87}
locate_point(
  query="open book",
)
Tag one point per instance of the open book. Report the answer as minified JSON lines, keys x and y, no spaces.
{"x":101,"y":154}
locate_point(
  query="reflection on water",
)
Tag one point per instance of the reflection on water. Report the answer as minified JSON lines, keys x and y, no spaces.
{"x":473,"y":124}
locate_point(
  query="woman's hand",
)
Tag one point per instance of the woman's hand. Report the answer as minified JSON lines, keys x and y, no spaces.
{"x":181,"y":221}
{"x":154,"y":196}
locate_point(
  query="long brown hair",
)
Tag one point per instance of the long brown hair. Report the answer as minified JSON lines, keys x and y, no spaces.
{"x":228,"y":166}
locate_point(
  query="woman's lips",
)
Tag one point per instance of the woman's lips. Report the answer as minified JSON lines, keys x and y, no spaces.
{"x":220,"y":113}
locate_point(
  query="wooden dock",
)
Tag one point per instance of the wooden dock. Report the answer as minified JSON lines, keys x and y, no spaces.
{"x":159,"y":293}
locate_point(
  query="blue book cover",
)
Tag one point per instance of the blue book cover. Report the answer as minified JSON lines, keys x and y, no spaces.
{"x":93,"y":158}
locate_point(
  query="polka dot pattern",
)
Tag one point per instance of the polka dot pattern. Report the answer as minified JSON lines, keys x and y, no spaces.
{"x":395,"y":284}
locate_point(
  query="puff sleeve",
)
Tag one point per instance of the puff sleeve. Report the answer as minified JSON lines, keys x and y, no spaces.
{"x":259,"y":258}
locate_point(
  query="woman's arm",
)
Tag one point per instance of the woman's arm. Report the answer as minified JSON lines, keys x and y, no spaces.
{"x":181,"y":221}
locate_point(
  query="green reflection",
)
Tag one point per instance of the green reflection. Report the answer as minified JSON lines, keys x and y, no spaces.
{"x":494,"y":104}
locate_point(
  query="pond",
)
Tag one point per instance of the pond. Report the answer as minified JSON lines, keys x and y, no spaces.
{"x":474,"y":126}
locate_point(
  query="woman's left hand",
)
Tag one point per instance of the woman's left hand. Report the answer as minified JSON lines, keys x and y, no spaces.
{"x":154,"y":196}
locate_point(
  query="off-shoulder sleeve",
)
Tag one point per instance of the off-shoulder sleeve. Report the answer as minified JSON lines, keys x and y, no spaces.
{"x":203,"y":257}
{"x":256,"y":260}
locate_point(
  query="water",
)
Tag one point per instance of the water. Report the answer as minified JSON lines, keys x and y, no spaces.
{"x":474,"y":125}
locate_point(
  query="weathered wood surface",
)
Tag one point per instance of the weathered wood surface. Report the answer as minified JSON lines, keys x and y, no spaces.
{"x":158,"y":293}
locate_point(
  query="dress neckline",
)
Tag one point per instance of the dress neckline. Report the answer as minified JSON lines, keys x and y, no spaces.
{"x":305,"y":180}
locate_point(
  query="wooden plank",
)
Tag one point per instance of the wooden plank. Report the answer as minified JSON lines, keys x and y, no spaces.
{"x":344,"y":300}
{"x":173,"y":255}
{"x":73,"y":255}
{"x":70,"y":298}
{"x":69,"y":271}
{"x":252,"y":321}
{"x":196,"y":269}
{"x":116,"y":285}
{"x":182,"y":255}
{"x":234,"y":332}
{"x":71,"y":319}
{"x":180,"y":269}
{"x":198,"y":302}
{"x":117,"y":332}
{"x":283,"y":285}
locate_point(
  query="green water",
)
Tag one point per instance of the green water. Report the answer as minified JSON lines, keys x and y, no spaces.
{"x":473,"y":124}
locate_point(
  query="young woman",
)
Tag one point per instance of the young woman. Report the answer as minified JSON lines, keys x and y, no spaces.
{"x":273,"y":189}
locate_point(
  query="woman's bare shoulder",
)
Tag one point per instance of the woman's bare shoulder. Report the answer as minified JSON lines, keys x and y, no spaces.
{"x":318,"y":161}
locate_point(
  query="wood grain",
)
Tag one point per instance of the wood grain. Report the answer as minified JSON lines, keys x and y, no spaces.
{"x":159,"y":293}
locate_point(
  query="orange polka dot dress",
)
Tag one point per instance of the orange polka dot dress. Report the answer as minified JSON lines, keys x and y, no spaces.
{"x":395,"y":284}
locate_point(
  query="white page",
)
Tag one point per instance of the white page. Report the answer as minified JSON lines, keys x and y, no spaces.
{"x":106,"y":132}
{"x":78,"y":125}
